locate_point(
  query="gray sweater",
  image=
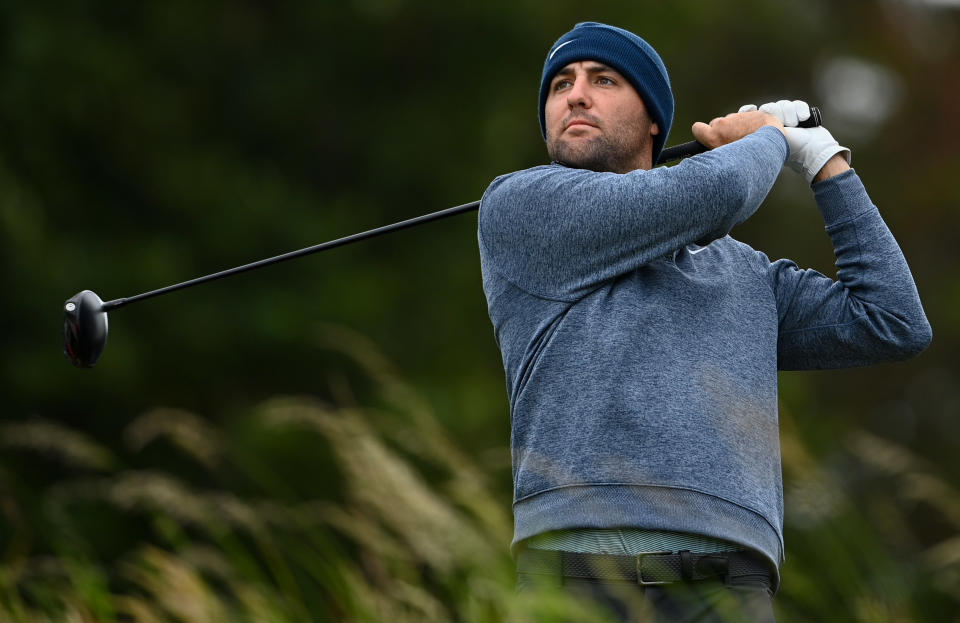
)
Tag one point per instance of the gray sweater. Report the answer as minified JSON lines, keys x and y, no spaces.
{"x":641,"y":343}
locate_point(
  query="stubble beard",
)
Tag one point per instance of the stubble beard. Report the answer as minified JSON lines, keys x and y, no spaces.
{"x":616,"y":152}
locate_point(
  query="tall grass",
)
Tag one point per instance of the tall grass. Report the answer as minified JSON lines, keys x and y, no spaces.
{"x":190,"y":521}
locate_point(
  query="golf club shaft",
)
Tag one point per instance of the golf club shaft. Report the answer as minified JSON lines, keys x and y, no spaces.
{"x":117,"y":303}
{"x":669,"y":154}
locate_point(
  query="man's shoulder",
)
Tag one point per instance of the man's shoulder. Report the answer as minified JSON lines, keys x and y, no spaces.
{"x":541,"y":182}
{"x":522,"y":185}
{"x":527,"y":175}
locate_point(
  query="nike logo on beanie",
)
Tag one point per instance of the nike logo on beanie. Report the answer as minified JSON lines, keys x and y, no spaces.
{"x":558,"y":47}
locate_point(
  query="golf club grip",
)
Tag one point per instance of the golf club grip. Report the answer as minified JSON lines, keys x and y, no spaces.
{"x":685,"y":150}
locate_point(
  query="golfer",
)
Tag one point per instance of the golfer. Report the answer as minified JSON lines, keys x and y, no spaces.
{"x":641,"y":343}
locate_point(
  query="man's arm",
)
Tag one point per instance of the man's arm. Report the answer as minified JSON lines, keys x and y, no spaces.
{"x":872,"y":312}
{"x":558,"y":232}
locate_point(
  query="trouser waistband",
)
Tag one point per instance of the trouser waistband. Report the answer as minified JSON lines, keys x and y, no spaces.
{"x":646,"y":569}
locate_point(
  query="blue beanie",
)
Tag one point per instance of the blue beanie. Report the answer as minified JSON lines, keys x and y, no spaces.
{"x":624,"y":51}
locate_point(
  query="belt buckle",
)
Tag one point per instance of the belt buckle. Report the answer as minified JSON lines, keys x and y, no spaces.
{"x":640,"y":558}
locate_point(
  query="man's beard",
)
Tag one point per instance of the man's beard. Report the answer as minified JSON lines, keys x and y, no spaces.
{"x":615,"y":153}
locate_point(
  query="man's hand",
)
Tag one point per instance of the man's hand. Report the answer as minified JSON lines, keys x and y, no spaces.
{"x":733,"y":127}
{"x":811,"y":149}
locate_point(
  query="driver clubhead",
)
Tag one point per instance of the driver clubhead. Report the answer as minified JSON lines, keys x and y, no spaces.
{"x":84,"y":329}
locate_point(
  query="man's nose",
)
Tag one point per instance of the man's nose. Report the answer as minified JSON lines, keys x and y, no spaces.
{"x":579,"y":95}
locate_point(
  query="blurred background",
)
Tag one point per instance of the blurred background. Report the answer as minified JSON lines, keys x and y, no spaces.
{"x":327,"y":440}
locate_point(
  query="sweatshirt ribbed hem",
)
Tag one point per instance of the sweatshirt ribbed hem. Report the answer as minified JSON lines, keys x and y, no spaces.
{"x":648,"y":507}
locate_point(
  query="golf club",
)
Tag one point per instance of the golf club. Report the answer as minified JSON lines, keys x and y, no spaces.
{"x":85,"y":314}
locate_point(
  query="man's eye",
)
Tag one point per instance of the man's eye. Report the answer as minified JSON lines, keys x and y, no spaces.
{"x":605,"y":81}
{"x":561,"y":84}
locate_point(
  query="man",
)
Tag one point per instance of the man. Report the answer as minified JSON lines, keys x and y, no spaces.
{"x":641,"y":343}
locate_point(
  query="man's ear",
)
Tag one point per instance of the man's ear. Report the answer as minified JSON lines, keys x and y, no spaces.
{"x":654,"y":129}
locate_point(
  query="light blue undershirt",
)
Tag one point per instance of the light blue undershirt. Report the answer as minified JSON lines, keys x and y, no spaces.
{"x":626,"y":541}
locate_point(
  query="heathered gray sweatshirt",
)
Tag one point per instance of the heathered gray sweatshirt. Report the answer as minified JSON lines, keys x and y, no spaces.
{"x":641,"y":343}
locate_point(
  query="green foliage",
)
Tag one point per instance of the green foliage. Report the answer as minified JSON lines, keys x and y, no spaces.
{"x":143,"y":144}
{"x":387,"y":545}
{"x":404,"y":525}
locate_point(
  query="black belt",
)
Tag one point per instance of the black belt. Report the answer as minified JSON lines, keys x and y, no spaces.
{"x":647,"y":569}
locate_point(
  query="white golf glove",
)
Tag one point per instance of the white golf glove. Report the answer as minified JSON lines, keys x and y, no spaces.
{"x":810,"y":148}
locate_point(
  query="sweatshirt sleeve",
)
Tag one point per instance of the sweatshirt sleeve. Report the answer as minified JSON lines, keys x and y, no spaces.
{"x":558,"y":232}
{"x":871,"y":313}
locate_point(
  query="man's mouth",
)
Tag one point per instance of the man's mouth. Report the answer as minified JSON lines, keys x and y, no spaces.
{"x":579,"y":121}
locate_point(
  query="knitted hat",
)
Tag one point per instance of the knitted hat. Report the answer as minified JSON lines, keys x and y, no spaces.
{"x":624,"y":51}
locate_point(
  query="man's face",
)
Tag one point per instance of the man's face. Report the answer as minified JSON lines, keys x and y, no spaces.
{"x":596,"y":120}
